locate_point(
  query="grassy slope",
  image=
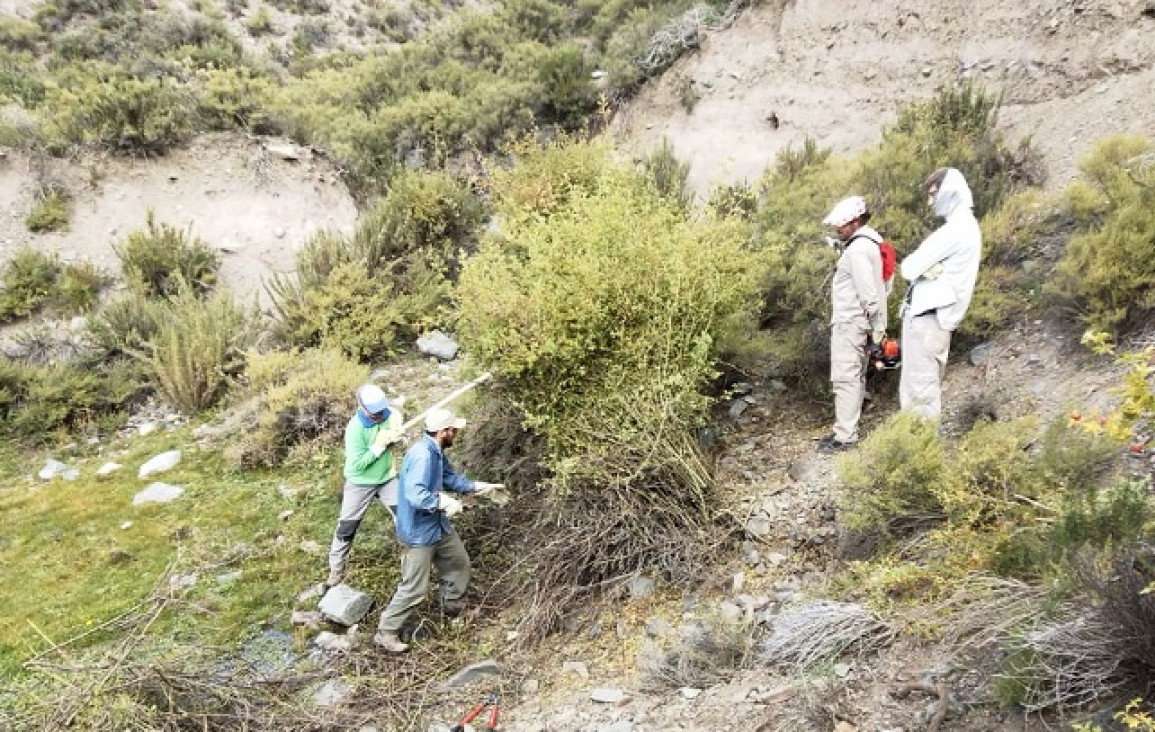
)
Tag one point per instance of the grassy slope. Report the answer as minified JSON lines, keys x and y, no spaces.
{"x":72,"y":567}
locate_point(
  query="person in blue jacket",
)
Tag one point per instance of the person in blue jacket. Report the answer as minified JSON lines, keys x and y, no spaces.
{"x":427,"y":537}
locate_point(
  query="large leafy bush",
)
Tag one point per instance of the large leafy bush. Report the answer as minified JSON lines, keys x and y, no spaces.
{"x":601,"y":309}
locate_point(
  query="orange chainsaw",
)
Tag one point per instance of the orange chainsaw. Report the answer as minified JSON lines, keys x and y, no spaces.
{"x":885,"y":355}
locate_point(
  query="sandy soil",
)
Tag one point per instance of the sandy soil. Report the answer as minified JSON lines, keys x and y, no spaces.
{"x":254,"y":206}
{"x":1069,"y":72}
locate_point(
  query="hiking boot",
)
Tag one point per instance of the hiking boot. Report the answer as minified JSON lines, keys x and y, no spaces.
{"x":335,"y":577}
{"x":389,"y":642}
{"x":831,"y":445}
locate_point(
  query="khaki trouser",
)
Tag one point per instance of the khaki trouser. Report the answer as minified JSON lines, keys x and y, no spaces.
{"x":925,"y":347}
{"x":452,"y":562}
{"x":355,"y":501}
{"x":848,"y":376}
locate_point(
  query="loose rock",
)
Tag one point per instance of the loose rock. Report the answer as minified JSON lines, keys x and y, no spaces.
{"x":160,"y":463}
{"x":157,"y":493}
{"x":345,"y":605}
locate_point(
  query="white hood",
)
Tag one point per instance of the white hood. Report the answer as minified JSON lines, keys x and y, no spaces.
{"x":953,"y":193}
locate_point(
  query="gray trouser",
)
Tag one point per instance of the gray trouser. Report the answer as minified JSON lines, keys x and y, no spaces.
{"x":452,"y":562}
{"x":848,"y":376}
{"x":355,"y":500}
{"x":925,"y":347}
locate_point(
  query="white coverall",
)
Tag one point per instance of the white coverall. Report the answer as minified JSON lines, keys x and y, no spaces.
{"x":938,"y":297}
{"x":859,"y":307}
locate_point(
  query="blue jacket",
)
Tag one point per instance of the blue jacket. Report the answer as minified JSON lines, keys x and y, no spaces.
{"x":425,"y":472}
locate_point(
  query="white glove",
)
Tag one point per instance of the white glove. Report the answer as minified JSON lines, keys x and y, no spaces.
{"x":482,"y":488}
{"x":933,"y":273}
{"x":447,"y":503}
{"x":384,"y":439}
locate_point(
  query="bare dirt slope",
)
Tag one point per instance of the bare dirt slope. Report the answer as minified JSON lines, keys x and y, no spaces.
{"x":236,"y":193}
{"x":1070,"y":71}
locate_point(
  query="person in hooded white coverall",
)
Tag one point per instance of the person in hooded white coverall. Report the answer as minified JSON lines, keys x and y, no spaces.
{"x":858,"y":313}
{"x":942,"y":272}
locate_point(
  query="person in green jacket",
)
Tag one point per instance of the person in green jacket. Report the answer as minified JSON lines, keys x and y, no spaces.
{"x":370,"y":471}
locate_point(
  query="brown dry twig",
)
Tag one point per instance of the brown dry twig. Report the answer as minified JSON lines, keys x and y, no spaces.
{"x":939,"y":689}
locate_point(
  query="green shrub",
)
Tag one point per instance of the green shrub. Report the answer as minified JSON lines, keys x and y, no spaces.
{"x":896,"y":475}
{"x":122,"y":113}
{"x":1107,"y":272}
{"x":669,"y":174}
{"x":28,"y":280}
{"x":735,"y":199}
{"x":17,"y":34}
{"x":38,"y":401}
{"x":199,"y":348}
{"x":990,"y":476}
{"x":1013,"y":270}
{"x":79,"y":287}
{"x":368,"y":296}
{"x":601,"y":310}
{"x":260,"y":22}
{"x":122,"y":327}
{"x":161,"y":257}
{"x":1117,"y":516}
{"x":1069,"y":458}
{"x":50,"y":213}
{"x":236,"y":99}
{"x":293,"y":403}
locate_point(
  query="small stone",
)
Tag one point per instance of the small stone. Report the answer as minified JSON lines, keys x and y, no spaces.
{"x":108,"y":468}
{"x":641,"y":586}
{"x":125,"y":526}
{"x":737,"y":407}
{"x":312,"y":592}
{"x":530,"y":686}
{"x":606,"y":695}
{"x":926,"y":71}
{"x":157,"y":493}
{"x":778,"y":694}
{"x":334,"y":692}
{"x":279,"y":233}
{"x":730,"y":613}
{"x":738,"y":583}
{"x":327,"y":640}
{"x":287,"y":492}
{"x":70,"y":474}
{"x":577,"y":667}
{"x":438,"y":344}
{"x":311,"y":547}
{"x":980,"y":354}
{"x":147,"y":429}
{"x":284,"y":151}
{"x":689,"y":692}
{"x":179,"y":582}
{"x":160,"y":463}
{"x":842,"y":670}
{"x":598,"y":74}
{"x":51,"y":469}
{"x":284,"y":515}
{"x":307,"y":618}
{"x":759,"y":525}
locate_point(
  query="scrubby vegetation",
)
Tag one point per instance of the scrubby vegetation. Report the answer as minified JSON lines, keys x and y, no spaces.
{"x":1107,"y":271}
{"x":161,"y":259}
{"x":629,"y":304}
{"x":31,"y":280}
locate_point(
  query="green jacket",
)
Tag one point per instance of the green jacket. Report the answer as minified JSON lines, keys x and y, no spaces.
{"x":361,"y":466}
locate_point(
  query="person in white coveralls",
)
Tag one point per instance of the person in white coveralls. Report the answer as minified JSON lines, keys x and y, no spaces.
{"x":942,"y":272}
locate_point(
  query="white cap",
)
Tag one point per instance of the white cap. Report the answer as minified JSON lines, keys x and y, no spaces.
{"x":371,"y":399}
{"x":442,"y":419}
{"x":845,"y":211}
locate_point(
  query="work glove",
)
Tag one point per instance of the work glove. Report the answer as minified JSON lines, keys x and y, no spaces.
{"x":482,"y":488}
{"x":447,"y":503}
{"x":933,"y":273}
{"x":383,"y":440}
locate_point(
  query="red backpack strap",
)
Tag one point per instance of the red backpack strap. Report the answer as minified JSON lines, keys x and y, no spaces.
{"x":889,"y":255}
